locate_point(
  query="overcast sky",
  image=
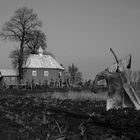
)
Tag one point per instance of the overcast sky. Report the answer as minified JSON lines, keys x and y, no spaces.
{"x":82,"y":31}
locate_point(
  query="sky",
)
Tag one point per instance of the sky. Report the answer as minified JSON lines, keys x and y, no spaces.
{"x":82,"y":31}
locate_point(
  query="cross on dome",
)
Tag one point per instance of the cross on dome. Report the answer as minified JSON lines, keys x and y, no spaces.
{"x":40,"y":51}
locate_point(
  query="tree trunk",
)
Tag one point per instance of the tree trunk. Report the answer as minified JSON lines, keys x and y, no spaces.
{"x":20,"y":69}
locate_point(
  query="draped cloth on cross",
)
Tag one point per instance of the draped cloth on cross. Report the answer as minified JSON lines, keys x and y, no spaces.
{"x":120,"y":91}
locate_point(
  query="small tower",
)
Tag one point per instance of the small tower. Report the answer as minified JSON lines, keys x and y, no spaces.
{"x":40,"y":51}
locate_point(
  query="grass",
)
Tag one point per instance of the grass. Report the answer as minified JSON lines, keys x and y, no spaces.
{"x":71,"y":95}
{"x":80,"y":96}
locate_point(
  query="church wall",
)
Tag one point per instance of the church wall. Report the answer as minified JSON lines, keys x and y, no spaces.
{"x":39,"y":76}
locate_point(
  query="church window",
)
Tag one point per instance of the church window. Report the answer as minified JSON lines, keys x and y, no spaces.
{"x":34,"y":73}
{"x":46,"y":73}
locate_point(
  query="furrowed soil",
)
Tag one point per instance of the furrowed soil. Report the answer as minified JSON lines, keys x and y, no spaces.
{"x":37,"y":118}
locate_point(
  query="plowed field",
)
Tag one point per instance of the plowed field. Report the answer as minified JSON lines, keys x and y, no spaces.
{"x":37,"y":118}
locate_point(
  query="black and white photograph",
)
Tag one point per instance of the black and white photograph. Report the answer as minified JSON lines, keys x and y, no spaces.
{"x":69,"y":69}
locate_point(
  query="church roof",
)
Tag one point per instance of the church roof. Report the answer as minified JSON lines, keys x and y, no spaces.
{"x":42,"y":61}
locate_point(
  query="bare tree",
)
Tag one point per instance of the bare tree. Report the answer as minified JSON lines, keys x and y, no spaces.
{"x":15,"y":56}
{"x":35,"y":40}
{"x":18,"y":28}
{"x":75,"y":75}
